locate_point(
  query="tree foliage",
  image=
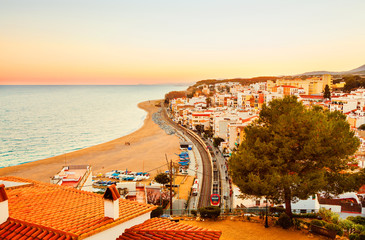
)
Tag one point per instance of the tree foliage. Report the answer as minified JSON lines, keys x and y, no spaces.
{"x":362,"y":127}
{"x":327,"y":92}
{"x":353,"y":82}
{"x":292,"y":152}
{"x":208,"y":100}
{"x":162,"y":178}
{"x":175,"y":94}
{"x":217,"y":141}
{"x":210,"y":212}
{"x":157,"y":212}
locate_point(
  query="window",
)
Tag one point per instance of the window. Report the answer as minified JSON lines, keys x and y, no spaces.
{"x":303,"y":211}
{"x":257,"y":202}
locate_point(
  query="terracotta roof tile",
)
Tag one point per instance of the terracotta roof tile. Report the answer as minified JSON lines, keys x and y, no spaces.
{"x":111,"y":193}
{"x":46,"y":208}
{"x":158,"y":228}
{"x":3,"y":196}
{"x":14,"y":230}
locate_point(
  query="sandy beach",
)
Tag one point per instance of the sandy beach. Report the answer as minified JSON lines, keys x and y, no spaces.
{"x":146,"y":152}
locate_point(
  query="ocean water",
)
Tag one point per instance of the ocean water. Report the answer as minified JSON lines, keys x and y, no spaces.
{"x":38,"y":122}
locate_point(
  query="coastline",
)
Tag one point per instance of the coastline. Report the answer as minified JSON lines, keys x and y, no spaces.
{"x":146,"y":152}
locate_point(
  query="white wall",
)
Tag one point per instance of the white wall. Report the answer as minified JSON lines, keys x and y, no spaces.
{"x":88,"y":185}
{"x":310,"y":204}
{"x":334,"y":208}
{"x":115,"y":232}
{"x":4,"y":211}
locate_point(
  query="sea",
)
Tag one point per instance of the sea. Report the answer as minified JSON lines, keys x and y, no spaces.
{"x":38,"y":122}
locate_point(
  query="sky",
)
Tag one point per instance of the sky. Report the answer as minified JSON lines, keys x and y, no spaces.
{"x":156,"y":42}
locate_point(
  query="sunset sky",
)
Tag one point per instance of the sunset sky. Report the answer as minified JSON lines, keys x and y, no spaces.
{"x":149,"y":42}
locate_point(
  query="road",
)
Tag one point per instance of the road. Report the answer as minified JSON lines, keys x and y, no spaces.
{"x":206,"y":185}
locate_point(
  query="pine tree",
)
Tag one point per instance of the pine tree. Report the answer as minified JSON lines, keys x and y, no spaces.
{"x":327,"y":92}
{"x":292,"y":152}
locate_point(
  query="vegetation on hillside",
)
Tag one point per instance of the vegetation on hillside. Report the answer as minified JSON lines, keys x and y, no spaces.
{"x":353,"y":82}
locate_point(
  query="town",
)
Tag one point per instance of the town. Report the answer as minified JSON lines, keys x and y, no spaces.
{"x":209,"y":118}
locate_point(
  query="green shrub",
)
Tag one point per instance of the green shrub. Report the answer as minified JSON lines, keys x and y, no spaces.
{"x":353,"y":236}
{"x":157,"y":212}
{"x":357,"y":220}
{"x":305,"y":215}
{"x":248,"y":217}
{"x":328,"y":215}
{"x":359,"y":228}
{"x":276,"y":209}
{"x":210,"y":212}
{"x":297,"y":223}
{"x":346,"y":225}
{"x":335,"y":227}
{"x":194,"y":212}
{"x":284,"y":221}
{"x":318,"y":223}
{"x":357,"y":236}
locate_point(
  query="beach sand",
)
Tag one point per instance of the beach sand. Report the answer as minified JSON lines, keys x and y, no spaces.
{"x":147,"y":149}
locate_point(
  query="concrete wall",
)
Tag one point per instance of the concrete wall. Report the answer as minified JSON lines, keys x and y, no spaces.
{"x":88,"y":185}
{"x":310,"y":204}
{"x":4,"y":211}
{"x":334,"y":208}
{"x":115,"y":232}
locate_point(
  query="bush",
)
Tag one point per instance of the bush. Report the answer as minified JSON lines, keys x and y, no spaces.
{"x":157,"y":212}
{"x":335,"y":227}
{"x":297,"y":223}
{"x":346,"y":225}
{"x":318,"y":223}
{"x":357,"y":220}
{"x":194,"y":212}
{"x":217,"y":141}
{"x":162,"y":178}
{"x":276,"y":209}
{"x":357,"y":236}
{"x":305,"y":215}
{"x":359,"y":228}
{"x":362,"y":127}
{"x":165,"y":202}
{"x":328,"y":215}
{"x":284,"y":221}
{"x":210,"y":212}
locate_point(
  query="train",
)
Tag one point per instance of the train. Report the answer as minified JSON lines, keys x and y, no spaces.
{"x":195,"y":187}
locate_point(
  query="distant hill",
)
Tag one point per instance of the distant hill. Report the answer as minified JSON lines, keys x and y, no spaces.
{"x":243,"y":81}
{"x":359,"y":70}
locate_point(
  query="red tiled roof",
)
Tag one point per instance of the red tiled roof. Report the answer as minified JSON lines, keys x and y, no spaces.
{"x":3,"y":196}
{"x":287,"y":86}
{"x":311,"y":96}
{"x":158,"y":228}
{"x":63,"y":209}
{"x":14,"y":229}
{"x":111,"y":193}
{"x":201,"y":114}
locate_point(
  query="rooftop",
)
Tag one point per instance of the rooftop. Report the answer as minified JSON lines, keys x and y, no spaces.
{"x":61,"y":210}
{"x":158,"y":228}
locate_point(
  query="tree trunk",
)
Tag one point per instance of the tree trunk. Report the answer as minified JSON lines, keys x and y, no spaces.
{"x":287,"y":193}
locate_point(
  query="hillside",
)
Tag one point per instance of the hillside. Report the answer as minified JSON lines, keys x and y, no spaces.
{"x":359,"y":70}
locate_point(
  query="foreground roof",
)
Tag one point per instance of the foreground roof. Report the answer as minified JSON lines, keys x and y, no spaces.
{"x":61,"y":211}
{"x":158,"y":228}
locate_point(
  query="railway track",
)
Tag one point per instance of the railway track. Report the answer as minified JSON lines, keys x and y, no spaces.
{"x":206,"y":185}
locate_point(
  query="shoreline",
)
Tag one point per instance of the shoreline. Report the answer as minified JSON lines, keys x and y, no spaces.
{"x":146,"y":152}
